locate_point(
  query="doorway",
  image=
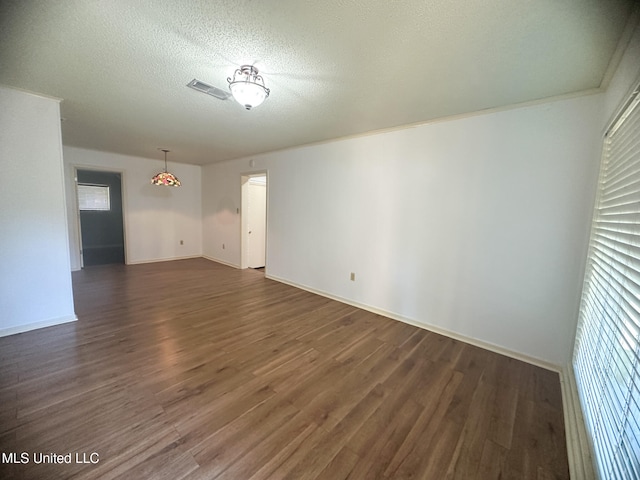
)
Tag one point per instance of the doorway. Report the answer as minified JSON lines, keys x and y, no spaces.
{"x":100,"y":217}
{"x":254,"y":221}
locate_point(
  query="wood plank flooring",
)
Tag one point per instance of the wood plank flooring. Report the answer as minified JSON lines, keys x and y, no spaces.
{"x":194,"y":370}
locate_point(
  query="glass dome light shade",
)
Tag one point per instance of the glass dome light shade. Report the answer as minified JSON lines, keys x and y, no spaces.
{"x":247,"y":87}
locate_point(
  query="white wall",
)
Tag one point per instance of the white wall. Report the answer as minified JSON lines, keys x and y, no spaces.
{"x":220,"y":212}
{"x":156,"y":217}
{"x":475,"y":226}
{"x":35,"y":281}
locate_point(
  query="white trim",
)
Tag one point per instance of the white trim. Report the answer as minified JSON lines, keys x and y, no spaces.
{"x":425,"y":326}
{"x":217,"y":260}
{"x":168,"y":259}
{"x":450,"y":118}
{"x":30,"y":92}
{"x":631,"y":97}
{"x":36,"y":325}
{"x":578,"y":447}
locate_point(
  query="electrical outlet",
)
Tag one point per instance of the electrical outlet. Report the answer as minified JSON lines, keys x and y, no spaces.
{"x":353,"y":277}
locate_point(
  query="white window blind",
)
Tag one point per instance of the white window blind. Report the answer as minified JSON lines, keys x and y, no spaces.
{"x":93,"y":197}
{"x":607,"y":345}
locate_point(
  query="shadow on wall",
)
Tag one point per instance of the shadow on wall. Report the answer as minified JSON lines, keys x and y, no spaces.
{"x":156,"y":191}
{"x":226,"y":211}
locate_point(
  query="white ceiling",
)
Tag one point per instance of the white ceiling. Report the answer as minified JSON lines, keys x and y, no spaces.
{"x":335,"y":67}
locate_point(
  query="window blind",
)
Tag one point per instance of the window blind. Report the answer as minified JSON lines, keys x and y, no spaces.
{"x":93,"y":197}
{"x":607,"y":348}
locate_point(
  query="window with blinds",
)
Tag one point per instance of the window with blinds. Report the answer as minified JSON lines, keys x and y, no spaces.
{"x":94,"y":197}
{"x":607,"y":348}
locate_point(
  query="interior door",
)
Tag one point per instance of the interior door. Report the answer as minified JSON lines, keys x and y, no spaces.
{"x":257,"y":222}
{"x":101,"y":221}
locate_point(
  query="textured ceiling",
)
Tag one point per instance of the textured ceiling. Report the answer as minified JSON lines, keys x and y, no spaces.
{"x":335,"y":67}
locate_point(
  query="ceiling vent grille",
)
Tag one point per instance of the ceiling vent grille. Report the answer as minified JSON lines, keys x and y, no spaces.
{"x":208,"y":89}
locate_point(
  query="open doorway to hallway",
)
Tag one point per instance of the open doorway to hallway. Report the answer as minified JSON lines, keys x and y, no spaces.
{"x":100,"y":217}
{"x":254,"y":220}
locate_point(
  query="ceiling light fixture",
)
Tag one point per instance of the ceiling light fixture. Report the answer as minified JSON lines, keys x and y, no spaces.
{"x":165,"y":178}
{"x":247,"y":87}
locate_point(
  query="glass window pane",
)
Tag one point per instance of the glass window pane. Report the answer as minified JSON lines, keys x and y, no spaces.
{"x":607,"y":347}
{"x":93,"y":197}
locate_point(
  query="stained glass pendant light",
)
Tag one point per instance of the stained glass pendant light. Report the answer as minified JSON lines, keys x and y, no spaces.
{"x":165,"y":178}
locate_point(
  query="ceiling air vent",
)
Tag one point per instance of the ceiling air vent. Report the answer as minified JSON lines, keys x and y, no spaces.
{"x":208,"y":89}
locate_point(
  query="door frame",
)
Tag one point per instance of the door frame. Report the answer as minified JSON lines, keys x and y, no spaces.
{"x":244,"y":186}
{"x":77,"y":205}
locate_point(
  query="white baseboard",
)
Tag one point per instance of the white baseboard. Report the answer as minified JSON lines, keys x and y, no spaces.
{"x":157,"y":260}
{"x":578,"y":448}
{"x":4,"y":332}
{"x":425,"y":326}
{"x":217,"y":260}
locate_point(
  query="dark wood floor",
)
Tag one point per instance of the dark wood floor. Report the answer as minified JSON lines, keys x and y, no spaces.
{"x":193,"y":370}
